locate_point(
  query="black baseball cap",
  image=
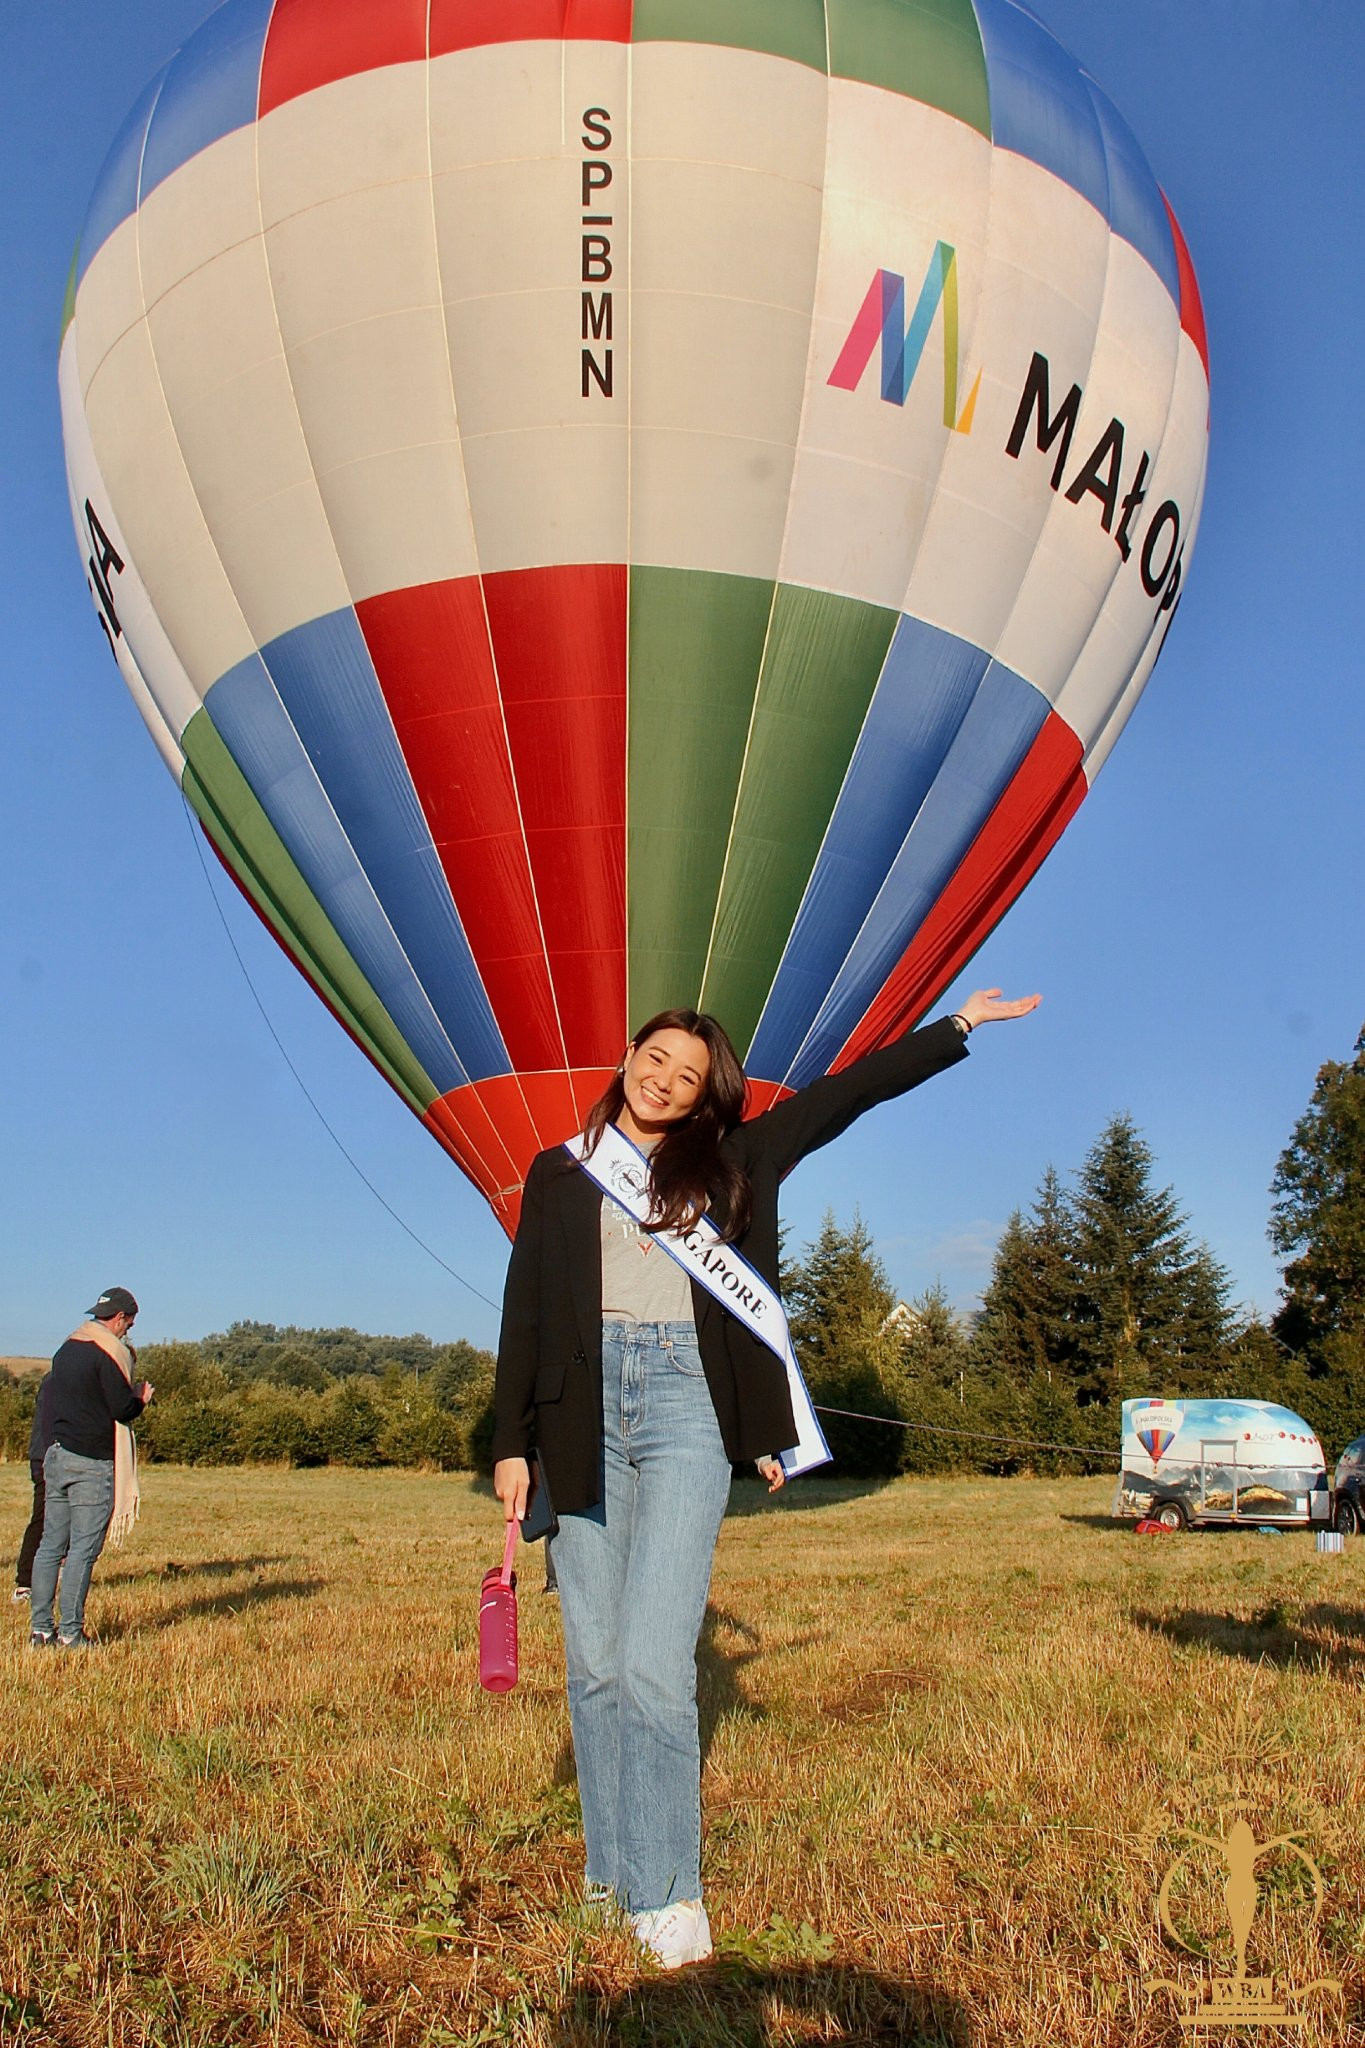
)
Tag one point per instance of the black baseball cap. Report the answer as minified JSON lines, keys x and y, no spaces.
{"x":115,"y":1301}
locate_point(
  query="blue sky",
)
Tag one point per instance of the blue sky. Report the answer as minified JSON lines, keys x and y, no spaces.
{"x":1197,"y":934}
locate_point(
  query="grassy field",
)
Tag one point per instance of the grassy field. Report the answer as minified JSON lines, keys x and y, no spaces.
{"x":945,"y":1725}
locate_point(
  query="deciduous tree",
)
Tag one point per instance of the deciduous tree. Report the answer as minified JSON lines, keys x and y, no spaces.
{"x":1317,"y":1223}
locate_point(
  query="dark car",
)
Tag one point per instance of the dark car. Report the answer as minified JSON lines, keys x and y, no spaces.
{"x":1348,"y":1513}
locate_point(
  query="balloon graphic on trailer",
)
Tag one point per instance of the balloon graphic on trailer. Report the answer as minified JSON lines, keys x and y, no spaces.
{"x":1157,"y":1424}
{"x":605,"y":506}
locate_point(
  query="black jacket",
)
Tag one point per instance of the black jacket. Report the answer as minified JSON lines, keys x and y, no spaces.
{"x":89,"y":1395}
{"x":40,"y":1436}
{"x":549,"y":1383}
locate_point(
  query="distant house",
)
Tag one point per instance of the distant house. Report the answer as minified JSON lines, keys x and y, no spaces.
{"x":903,"y":1319}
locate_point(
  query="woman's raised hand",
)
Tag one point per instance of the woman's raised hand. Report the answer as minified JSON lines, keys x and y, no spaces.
{"x":987,"y":1006}
{"x":512,"y":1485}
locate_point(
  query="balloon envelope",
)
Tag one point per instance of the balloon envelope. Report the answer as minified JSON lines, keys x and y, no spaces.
{"x":611,"y":506}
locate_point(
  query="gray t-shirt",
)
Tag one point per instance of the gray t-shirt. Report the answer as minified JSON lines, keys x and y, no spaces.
{"x":639,"y":1279}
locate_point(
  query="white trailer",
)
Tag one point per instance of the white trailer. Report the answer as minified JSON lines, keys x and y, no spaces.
{"x":1188,"y":1463}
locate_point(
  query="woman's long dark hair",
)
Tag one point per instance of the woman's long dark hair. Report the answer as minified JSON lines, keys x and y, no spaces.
{"x":688,"y":1173}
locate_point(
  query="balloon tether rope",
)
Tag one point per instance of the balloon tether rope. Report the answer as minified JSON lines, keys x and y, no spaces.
{"x":1018,"y":1443}
{"x":312,"y":1102}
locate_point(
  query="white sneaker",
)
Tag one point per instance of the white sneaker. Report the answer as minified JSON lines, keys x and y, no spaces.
{"x":675,"y":1934}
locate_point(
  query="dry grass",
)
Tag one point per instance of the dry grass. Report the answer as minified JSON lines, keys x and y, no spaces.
{"x":275,"y":1807}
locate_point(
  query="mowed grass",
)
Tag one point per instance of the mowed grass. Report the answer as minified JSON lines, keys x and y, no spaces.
{"x":944,"y":1723}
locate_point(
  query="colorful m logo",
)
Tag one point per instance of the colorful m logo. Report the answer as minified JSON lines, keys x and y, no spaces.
{"x":882,"y":313}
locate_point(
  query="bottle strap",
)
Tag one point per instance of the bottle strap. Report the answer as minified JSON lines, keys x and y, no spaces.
{"x":510,"y":1550}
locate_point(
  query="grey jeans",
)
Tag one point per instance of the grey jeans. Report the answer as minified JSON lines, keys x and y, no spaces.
{"x":76,"y":1515}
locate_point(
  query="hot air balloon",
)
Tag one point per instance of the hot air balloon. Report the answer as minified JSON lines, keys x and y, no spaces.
{"x":608,"y":505}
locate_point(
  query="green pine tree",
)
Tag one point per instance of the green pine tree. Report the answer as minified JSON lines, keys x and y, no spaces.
{"x":1150,"y":1305}
{"x":1027,"y":1323}
{"x":1003,"y":1338}
{"x":838,"y":1298}
{"x":928,"y":1372}
{"x":1207,"y":1323}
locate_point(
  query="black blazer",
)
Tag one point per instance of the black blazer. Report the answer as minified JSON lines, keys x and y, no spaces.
{"x":549,"y":1382}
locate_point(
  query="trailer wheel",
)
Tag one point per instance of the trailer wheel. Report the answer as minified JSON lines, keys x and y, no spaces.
{"x":1346,"y":1516}
{"x":1171,"y":1515}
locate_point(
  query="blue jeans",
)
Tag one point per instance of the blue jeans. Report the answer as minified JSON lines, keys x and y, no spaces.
{"x":76,"y":1516}
{"x":633,"y":1578}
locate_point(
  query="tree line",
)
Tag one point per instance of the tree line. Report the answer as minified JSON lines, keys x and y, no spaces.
{"x":258,"y":1394}
{"x":1098,"y":1292}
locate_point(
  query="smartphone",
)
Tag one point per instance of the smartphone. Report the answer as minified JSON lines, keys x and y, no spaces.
{"x":540,"y":1518}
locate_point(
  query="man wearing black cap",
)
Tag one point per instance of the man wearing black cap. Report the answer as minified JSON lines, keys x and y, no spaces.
{"x":90,"y":1469}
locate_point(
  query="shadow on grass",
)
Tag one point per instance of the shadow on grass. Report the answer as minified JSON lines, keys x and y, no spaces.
{"x":1320,"y":1637}
{"x":207,"y":1568}
{"x":733,"y":2005}
{"x":1208,"y":1529}
{"x":265,"y":1594}
{"x":726,"y":1645}
{"x":749,"y":1494}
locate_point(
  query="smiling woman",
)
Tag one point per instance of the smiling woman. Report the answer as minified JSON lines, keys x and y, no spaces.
{"x":644,"y":1349}
{"x":677,"y":1092}
{"x":661,"y":1079}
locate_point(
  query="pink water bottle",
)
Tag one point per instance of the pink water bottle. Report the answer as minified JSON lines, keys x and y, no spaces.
{"x":498,"y":1621}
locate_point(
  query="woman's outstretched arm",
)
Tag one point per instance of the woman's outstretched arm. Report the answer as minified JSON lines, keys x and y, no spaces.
{"x":820,"y":1112}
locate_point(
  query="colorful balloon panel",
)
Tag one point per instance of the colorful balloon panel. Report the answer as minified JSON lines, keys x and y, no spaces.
{"x":605,"y":506}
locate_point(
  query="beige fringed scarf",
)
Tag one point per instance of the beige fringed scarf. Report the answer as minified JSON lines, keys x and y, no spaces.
{"x":126,"y":1495}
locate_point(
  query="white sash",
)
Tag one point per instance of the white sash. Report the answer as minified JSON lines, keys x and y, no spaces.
{"x":622,"y":1172}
